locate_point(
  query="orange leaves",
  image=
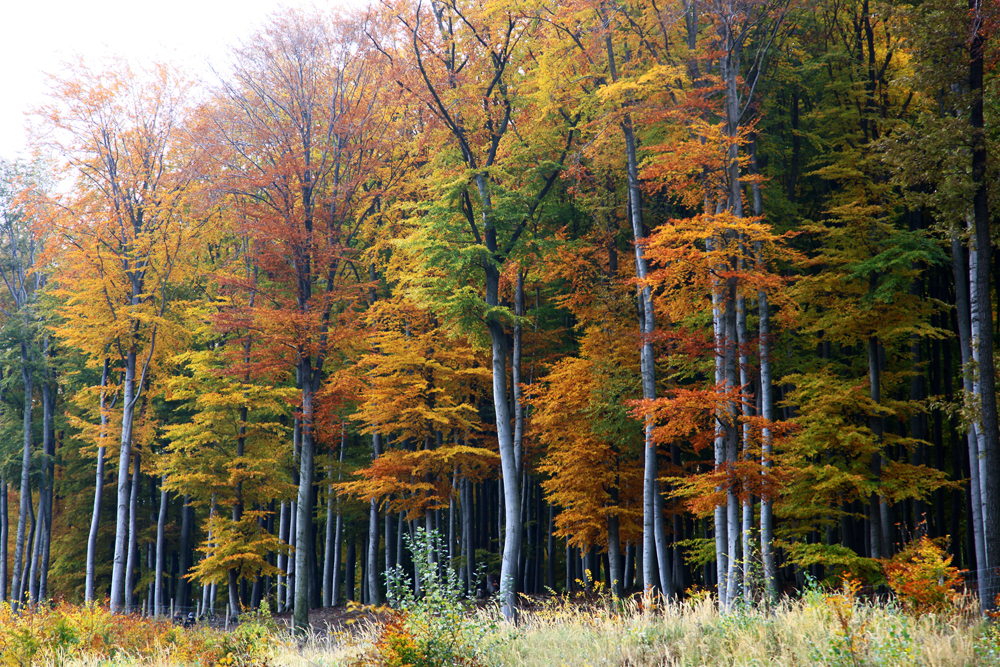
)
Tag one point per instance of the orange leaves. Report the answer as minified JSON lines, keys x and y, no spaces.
{"x":694,"y":256}
{"x":414,"y":481}
{"x":923,"y":578}
{"x":591,"y":455}
{"x":418,"y":379}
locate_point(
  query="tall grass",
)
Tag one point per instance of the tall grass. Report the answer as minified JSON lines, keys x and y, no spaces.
{"x":820,"y":629}
{"x":835,"y":629}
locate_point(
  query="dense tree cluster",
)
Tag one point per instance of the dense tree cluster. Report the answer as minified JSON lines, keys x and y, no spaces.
{"x":694,"y":293}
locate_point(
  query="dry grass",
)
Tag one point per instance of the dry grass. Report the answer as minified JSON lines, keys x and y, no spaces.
{"x":820,"y":629}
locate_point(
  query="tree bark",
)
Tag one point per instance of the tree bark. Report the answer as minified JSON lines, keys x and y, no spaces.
{"x":95,"y":517}
{"x":374,"y":587}
{"x":4,"y":539}
{"x":25,"y":506}
{"x":183,"y":593}
{"x":161,"y":550}
{"x":132,"y":562}
{"x":118,"y":570}
{"x":990,"y":444}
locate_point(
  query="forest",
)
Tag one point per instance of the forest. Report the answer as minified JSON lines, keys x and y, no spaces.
{"x":674,"y":295}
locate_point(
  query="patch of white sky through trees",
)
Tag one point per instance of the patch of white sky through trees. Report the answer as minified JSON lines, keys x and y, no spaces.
{"x":36,"y":38}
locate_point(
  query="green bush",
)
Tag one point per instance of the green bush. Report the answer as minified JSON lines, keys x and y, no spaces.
{"x":435,"y":628}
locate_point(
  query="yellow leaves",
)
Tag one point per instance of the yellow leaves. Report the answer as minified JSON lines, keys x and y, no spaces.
{"x":418,"y":379}
{"x":236,"y":545}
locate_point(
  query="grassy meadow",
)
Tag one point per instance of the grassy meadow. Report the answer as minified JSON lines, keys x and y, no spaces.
{"x":833,"y":628}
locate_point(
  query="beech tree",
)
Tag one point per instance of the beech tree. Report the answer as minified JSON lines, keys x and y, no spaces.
{"x":300,"y":132}
{"x":122,"y":234}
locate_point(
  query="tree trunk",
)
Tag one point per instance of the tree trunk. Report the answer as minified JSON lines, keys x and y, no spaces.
{"x":48,"y":467}
{"x":184,"y":560}
{"x":328,"y":550}
{"x":719,"y":448}
{"x":303,"y":520}
{"x":372,"y":570}
{"x":4,"y":539}
{"x":25,"y":506}
{"x":118,"y":570}
{"x":990,"y":443}
{"x":161,"y":550}
{"x":132,"y":562}
{"x":95,"y":517}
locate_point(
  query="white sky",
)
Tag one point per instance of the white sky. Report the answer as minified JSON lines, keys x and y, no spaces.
{"x":36,"y":36}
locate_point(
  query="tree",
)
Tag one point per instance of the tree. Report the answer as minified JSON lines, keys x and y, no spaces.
{"x":299,"y":137}
{"x":123,"y":234}
{"x":463,"y":67}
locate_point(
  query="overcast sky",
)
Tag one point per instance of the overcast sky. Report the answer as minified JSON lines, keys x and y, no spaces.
{"x":36,"y":36}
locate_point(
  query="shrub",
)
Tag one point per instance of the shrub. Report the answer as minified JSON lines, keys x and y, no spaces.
{"x":922,"y":577}
{"x":434,"y":629}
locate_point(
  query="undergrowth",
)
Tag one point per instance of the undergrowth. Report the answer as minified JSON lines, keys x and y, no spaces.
{"x":64,"y":634}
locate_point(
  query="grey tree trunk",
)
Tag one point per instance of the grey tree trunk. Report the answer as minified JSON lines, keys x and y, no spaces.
{"x":161,"y":550}
{"x":747,"y":408}
{"x":303,"y":520}
{"x":118,"y":569}
{"x":374,"y":588}
{"x":26,"y":565}
{"x":282,"y":594}
{"x":733,"y":574}
{"x":719,"y":448}
{"x":990,"y":451}
{"x":766,"y":409}
{"x":132,"y":562}
{"x":184,"y":559}
{"x":48,"y":466}
{"x":328,"y":549}
{"x":4,"y":531}
{"x":975,"y":323}
{"x":965,"y":345}
{"x":335,"y":578}
{"x":95,"y":517}
{"x":25,"y":507}
{"x":36,"y":550}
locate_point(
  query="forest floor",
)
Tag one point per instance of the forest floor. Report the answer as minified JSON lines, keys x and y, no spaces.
{"x":822,"y":627}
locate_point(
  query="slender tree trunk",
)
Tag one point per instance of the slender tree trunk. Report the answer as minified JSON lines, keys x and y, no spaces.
{"x":184,"y":560}
{"x":303,"y":520}
{"x":615,"y":556}
{"x":719,"y":447}
{"x":372,"y":570}
{"x":328,"y":549}
{"x":747,"y":409}
{"x":132,"y":562}
{"x":48,"y":467}
{"x":26,"y":564}
{"x":25,"y":506}
{"x":118,"y":570}
{"x":468,"y":551}
{"x":95,"y":517}
{"x":733,"y":578}
{"x":283,"y":558}
{"x":38,"y":527}
{"x":161,"y":549}
{"x":4,"y":539}
{"x":963,"y":317}
{"x":990,"y":445}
